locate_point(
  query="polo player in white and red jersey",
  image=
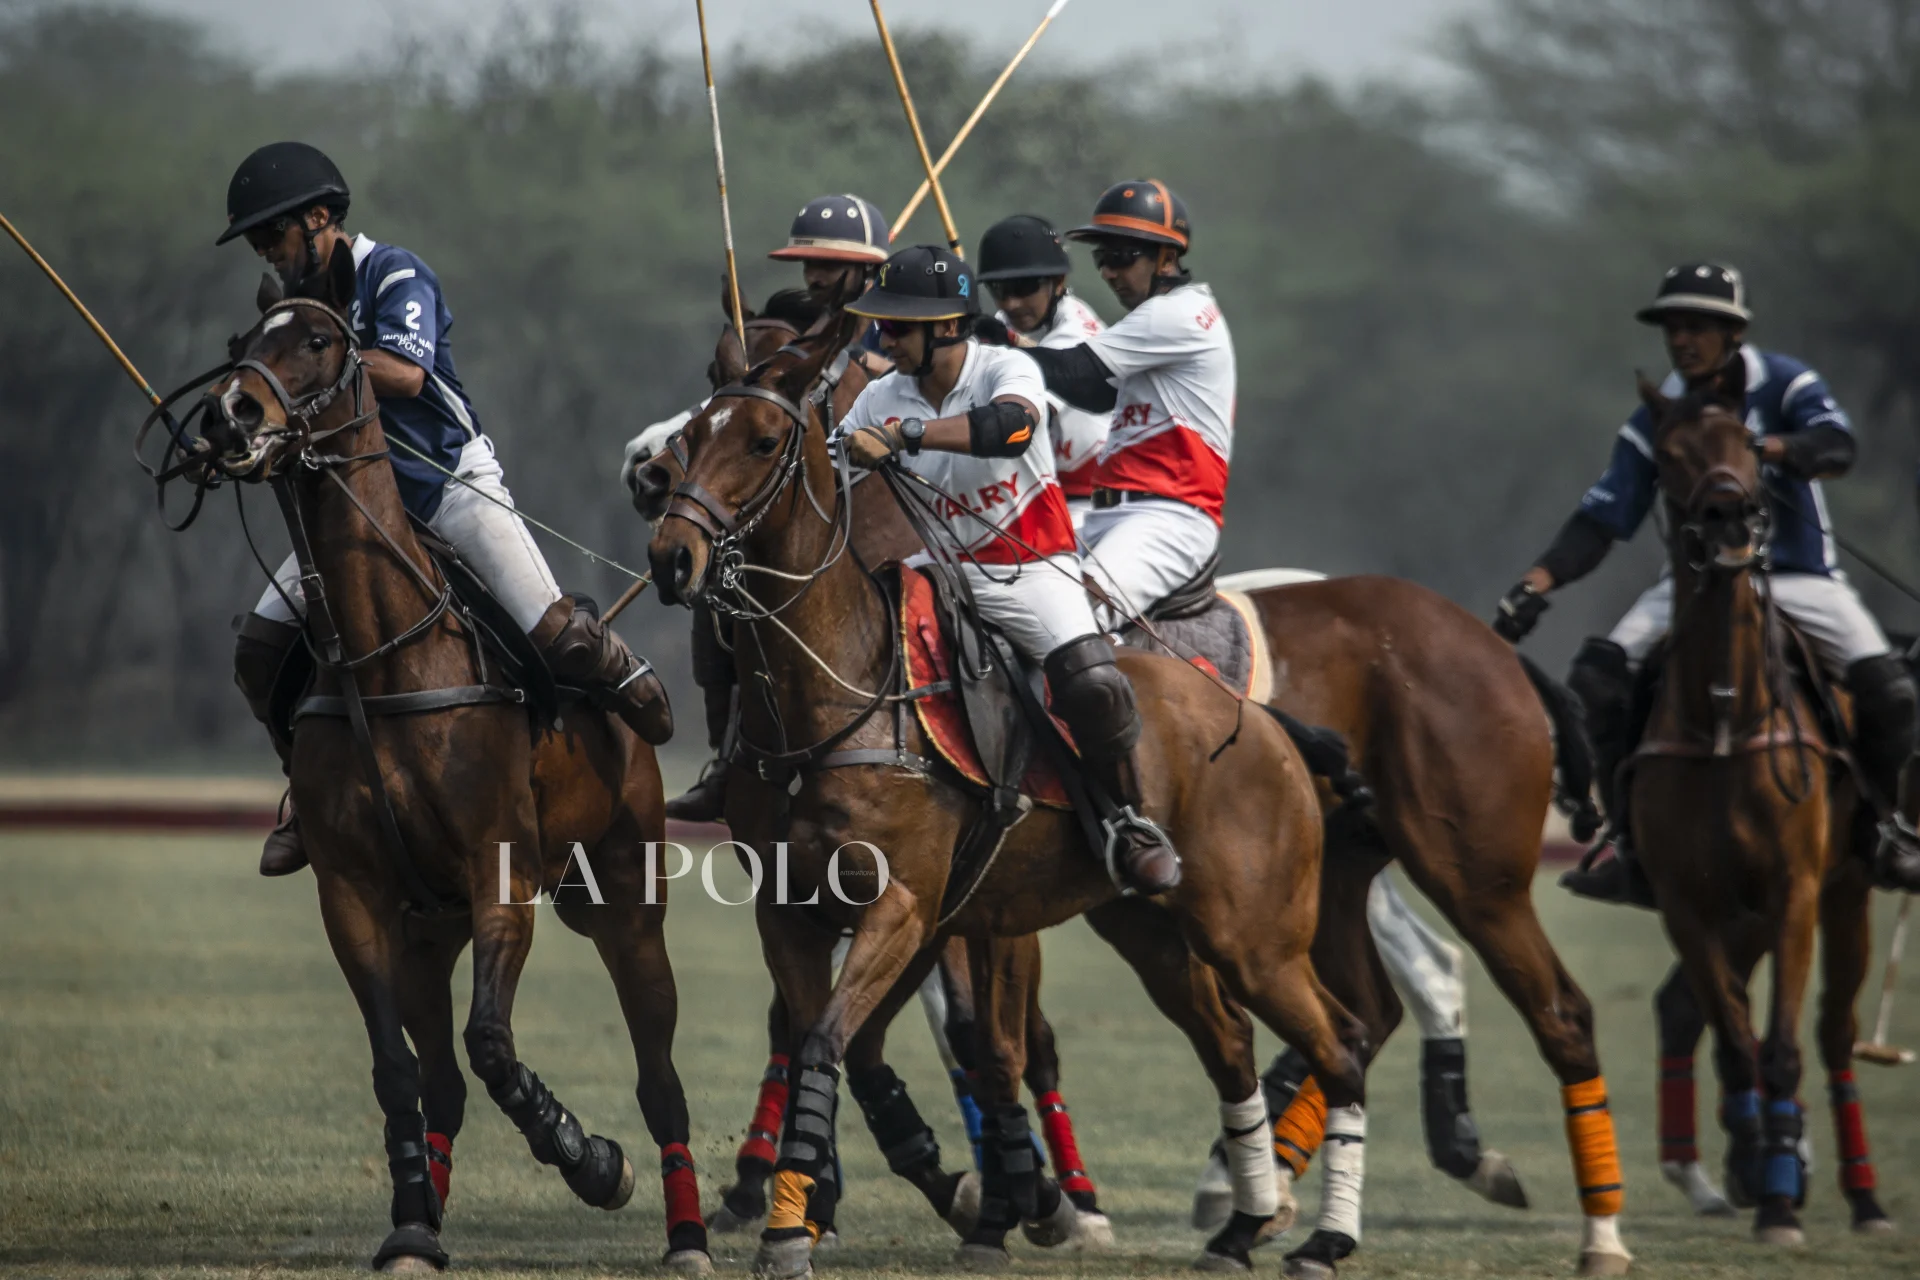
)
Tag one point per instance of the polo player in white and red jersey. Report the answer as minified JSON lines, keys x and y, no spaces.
{"x":968,"y":419}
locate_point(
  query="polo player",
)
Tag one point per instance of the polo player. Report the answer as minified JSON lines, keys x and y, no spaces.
{"x":291,"y":202}
{"x":967,"y":419}
{"x":839,"y":241}
{"x":1165,"y":375}
{"x":1025,"y":267}
{"x":1801,"y":435}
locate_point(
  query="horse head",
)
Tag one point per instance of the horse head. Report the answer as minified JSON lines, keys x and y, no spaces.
{"x":288,"y":372}
{"x":1709,"y":472}
{"x":745,"y":450}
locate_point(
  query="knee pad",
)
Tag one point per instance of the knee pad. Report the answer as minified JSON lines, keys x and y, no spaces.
{"x":1094,"y":697}
{"x":1883,"y":689}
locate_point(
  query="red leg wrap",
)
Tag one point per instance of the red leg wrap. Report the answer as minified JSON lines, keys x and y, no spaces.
{"x":1061,"y":1146}
{"x":1677,"y":1111}
{"x":681,"y":1185}
{"x":1856,"y":1168}
{"x":763,"y":1135}
{"x":440,"y":1164}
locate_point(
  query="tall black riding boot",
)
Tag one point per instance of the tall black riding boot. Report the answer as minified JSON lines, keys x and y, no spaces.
{"x":258,"y":654}
{"x":1604,"y":681}
{"x":1883,"y":741}
{"x":1096,"y":700}
{"x":706,"y":799}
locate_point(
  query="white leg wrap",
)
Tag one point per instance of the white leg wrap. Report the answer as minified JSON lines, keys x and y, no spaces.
{"x":1602,"y":1235}
{"x":1343,"y":1164}
{"x":1249,"y":1144}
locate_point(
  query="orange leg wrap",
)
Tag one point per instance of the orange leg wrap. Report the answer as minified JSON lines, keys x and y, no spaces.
{"x":789,"y":1210}
{"x":1301,"y":1127}
{"x":1596,"y":1160}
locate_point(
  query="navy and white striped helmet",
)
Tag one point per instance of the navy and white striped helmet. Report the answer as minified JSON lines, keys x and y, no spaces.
{"x":843,"y":228}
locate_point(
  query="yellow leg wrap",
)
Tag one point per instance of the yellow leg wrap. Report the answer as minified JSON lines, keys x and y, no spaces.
{"x":790,"y":1192}
{"x":1596,"y":1160}
{"x":1298,"y":1132}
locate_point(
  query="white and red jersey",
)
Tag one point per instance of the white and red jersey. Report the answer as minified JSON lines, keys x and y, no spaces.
{"x":1020,"y":495}
{"x":1077,"y":434}
{"x":1172,"y":429}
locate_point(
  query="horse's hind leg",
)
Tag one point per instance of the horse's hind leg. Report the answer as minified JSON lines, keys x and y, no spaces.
{"x":1846,"y":953}
{"x":1189,"y":995}
{"x":364,"y":944}
{"x":630,"y":936}
{"x":1680,"y":1024}
{"x":594,"y":1168}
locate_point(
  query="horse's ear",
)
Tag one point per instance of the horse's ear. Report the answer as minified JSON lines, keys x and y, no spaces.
{"x":726,"y":303}
{"x":340,"y":284}
{"x":1650,"y":396}
{"x":729,"y":360}
{"x":831,"y":335}
{"x":269,"y":292}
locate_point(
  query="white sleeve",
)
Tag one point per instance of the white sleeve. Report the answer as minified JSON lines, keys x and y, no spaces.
{"x":1160,"y":331}
{"x":1014,"y":374}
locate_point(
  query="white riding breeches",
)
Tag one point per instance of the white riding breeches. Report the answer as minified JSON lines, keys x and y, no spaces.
{"x":1139,"y":552}
{"x":1039,"y":605}
{"x":1424,"y":966}
{"x":491,"y":539}
{"x":1828,"y":612}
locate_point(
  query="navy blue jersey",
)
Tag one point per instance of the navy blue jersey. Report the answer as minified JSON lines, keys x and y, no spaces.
{"x":397,"y":308}
{"x":1783,"y":396}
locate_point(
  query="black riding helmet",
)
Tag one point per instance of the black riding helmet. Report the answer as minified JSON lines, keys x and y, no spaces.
{"x":1019,"y":248}
{"x":281,"y":178}
{"x":925,"y":284}
{"x":1138,"y":209}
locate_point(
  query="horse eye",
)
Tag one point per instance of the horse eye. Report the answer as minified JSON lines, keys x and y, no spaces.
{"x":765,"y":445}
{"x":319,"y":342}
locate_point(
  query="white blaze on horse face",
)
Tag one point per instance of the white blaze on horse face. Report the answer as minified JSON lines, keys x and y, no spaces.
{"x":720,"y":419}
{"x":275,"y":321}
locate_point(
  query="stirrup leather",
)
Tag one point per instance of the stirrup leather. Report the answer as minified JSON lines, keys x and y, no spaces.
{"x":1116,"y":825}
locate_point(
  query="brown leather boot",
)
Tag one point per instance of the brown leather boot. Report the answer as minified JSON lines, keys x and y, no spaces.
{"x":258,"y":654}
{"x":581,"y":651}
{"x":1096,"y":700}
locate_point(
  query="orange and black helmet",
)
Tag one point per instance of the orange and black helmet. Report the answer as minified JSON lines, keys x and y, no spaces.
{"x":1141,"y":209}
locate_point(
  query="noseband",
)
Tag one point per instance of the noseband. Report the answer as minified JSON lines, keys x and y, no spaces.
{"x":1697,"y":539}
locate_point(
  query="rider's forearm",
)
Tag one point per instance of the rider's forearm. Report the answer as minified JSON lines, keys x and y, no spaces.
{"x":393,"y":377}
{"x":1819,"y":451}
{"x":1576,"y":550}
{"x":947,"y":435}
{"x":1077,"y":376}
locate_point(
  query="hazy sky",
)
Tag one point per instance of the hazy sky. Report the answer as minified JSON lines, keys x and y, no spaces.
{"x":1341,"y":39}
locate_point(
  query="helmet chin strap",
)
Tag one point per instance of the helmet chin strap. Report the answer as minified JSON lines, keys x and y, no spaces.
{"x":933,"y":344}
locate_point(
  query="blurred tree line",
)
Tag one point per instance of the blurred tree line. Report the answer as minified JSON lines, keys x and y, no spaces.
{"x":1431,"y":292}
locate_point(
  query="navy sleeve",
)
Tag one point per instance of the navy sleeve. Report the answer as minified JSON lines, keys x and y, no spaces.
{"x":1808,"y":402}
{"x":406,"y":310}
{"x":1624,"y":495}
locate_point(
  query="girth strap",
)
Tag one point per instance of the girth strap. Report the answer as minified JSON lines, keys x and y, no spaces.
{"x":406,"y":704}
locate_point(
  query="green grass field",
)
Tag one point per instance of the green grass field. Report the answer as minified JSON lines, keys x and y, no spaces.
{"x":184,"y":1091}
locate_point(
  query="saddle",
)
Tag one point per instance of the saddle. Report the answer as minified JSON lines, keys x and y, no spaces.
{"x":512,"y":670}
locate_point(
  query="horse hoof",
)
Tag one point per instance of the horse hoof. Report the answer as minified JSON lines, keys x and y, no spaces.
{"x":1053,"y":1230}
{"x":982,"y":1257}
{"x":725,"y":1221}
{"x":828,"y":1242}
{"x":1495,"y":1180}
{"x":1276,"y":1227}
{"x":1094,"y":1230}
{"x":788,"y":1259}
{"x":1217,"y":1262}
{"x":964,"y":1214}
{"x":1874,"y":1227}
{"x":623,"y":1192}
{"x":1785,"y":1237}
{"x":1595,"y":1262}
{"x":1308,"y":1269}
{"x":688,"y":1262}
{"x":1706,"y":1199}
{"x":412,"y":1248}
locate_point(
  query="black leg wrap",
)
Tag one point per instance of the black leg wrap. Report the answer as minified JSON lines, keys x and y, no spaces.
{"x":1323,"y":1246}
{"x":1019,"y":1159}
{"x":903,"y":1137}
{"x":1745,"y":1160}
{"x":1282,"y":1079}
{"x":997,"y":1212}
{"x":414,"y":1199}
{"x":593,"y":1167}
{"x":1236,"y":1239}
{"x":806,"y":1144}
{"x":1453,"y":1142}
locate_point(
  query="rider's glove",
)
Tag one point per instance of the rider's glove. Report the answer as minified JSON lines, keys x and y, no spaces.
{"x":992,"y":331}
{"x":1519,"y":613}
{"x":871,"y":446}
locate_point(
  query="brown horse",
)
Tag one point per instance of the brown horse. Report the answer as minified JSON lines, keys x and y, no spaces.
{"x":880,"y":533}
{"x":485,"y":808}
{"x":1743,"y":821}
{"x":760,"y":508}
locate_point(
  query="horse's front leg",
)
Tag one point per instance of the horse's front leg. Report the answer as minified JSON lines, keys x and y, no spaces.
{"x":1783,"y":1176}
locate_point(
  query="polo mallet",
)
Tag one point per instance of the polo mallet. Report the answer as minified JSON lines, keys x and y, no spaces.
{"x":1877,"y":1050}
{"x":940,"y":165}
{"x":627,"y":597}
{"x":152,"y":396}
{"x":919,"y":138}
{"x":726,"y":212}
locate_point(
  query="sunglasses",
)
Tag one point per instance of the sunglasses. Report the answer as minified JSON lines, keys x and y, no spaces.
{"x":896,"y":328}
{"x":1025,"y":285}
{"x":268,"y":234}
{"x":1118,"y":257}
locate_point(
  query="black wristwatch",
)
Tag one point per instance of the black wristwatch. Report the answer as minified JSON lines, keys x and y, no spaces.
{"x":912,"y":432}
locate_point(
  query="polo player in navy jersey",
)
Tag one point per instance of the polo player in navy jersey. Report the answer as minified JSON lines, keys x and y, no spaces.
{"x":290,"y":201}
{"x":1801,"y":435}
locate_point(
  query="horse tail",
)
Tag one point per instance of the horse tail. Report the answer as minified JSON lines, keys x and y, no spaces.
{"x":1572,"y":752}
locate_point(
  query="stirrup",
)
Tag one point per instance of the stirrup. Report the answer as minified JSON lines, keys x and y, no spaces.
{"x":1124,"y":819}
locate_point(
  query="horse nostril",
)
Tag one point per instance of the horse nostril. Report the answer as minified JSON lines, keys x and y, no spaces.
{"x":682,"y":568}
{"x":244,"y":411}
